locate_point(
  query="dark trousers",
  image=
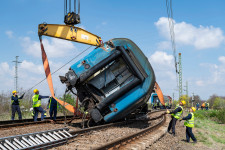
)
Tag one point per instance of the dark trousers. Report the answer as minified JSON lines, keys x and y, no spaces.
{"x":172,"y":125}
{"x":16,"y":108}
{"x":190,"y":134}
{"x":36,"y":111}
{"x":53,"y":112}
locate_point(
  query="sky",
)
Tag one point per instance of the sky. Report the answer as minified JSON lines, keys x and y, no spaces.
{"x":199,"y":35}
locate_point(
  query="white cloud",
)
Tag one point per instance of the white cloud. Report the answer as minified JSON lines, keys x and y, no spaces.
{"x":215,"y":75}
{"x":54,"y":48}
{"x":186,"y":34}
{"x":5,"y":69}
{"x":163,"y":65}
{"x":27,"y":66}
{"x":162,"y":59}
{"x":222,"y":59}
{"x":9,"y":34}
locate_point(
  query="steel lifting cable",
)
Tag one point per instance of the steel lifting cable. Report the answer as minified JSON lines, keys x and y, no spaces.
{"x":171,"y":26}
{"x":172,"y":35}
{"x":70,"y":6}
{"x":75,"y":6}
{"x":65,"y":7}
{"x":78,"y":7}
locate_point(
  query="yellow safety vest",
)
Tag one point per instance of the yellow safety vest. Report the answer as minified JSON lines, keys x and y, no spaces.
{"x":36,"y":102}
{"x":178,"y":114}
{"x":13,"y":100}
{"x":190,"y":122}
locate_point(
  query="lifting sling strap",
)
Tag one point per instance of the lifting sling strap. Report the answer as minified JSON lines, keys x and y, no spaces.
{"x":159,"y":93}
{"x":49,"y":79}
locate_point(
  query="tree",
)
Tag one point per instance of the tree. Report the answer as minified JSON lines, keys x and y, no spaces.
{"x":186,"y":99}
{"x":219,"y":103}
{"x":212,"y":99}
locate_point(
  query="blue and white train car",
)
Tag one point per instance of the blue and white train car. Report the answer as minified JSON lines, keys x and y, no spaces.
{"x":112,"y":81}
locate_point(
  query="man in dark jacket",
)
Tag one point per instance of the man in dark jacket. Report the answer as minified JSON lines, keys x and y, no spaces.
{"x":53,"y":106}
{"x":175,"y":115}
{"x":189,"y":123}
{"x":16,"y":105}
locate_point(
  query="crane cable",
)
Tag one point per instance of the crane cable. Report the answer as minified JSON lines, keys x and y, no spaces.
{"x":70,"y":6}
{"x":171,"y":27}
{"x":172,"y":35}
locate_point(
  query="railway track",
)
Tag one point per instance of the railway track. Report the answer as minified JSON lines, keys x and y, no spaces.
{"x":24,"y":122}
{"x":48,"y":139}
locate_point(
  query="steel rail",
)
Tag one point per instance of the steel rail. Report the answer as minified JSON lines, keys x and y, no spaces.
{"x":29,"y":120}
{"x":86,"y":130}
{"x":8,"y":124}
{"x":76,"y":133}
{"x":131,"y":137}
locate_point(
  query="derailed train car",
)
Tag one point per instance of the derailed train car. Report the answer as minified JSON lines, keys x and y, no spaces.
{"x":112,"y":81}
{"x":156,"y":103}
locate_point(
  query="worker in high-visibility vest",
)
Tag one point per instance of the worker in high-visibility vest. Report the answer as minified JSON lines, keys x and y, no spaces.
{"x":16,"y":105}
{"x":206,"y":106}
{"x":203,"y":106}
{"x":175,"y":115}
{"x":37,"y":105}
{"x":53,"y":105}
{"x":189,"y":123}
{"x":197,"y":105}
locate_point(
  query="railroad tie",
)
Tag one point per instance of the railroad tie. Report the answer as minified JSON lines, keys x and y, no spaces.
{"x":36,"y":140}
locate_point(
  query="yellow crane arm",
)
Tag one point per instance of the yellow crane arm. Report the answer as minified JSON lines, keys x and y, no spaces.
{"x":68,"y":32}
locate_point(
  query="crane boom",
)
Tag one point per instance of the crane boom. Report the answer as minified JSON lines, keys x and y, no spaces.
{"x":69,"y":32}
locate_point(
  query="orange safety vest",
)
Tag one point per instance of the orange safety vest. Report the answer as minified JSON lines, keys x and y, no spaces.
{"x":203,"y":104}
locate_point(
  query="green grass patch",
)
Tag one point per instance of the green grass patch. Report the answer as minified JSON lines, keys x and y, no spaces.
{"x":215,"y":115}
{"x":218,"y":139}
{"x":202,"y":138}
{"x":209,"y":128}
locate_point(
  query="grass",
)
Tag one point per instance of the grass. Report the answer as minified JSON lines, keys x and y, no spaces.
{"x":209,"y":127}
{"x":215,"y":115}
{"x":219,"y":140}
{"x":201,"y":138}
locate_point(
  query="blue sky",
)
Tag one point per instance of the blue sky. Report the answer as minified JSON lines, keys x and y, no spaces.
{"x":199,"y":32}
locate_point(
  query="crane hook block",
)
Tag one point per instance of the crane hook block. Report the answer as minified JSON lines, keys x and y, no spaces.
{"x":72,"y":19}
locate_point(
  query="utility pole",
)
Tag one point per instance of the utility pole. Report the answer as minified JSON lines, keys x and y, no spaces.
{"x":180,"y":76}
{"x":16,"y":73}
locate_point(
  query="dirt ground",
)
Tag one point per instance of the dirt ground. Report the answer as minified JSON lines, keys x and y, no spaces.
{"x":169,"y":142}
